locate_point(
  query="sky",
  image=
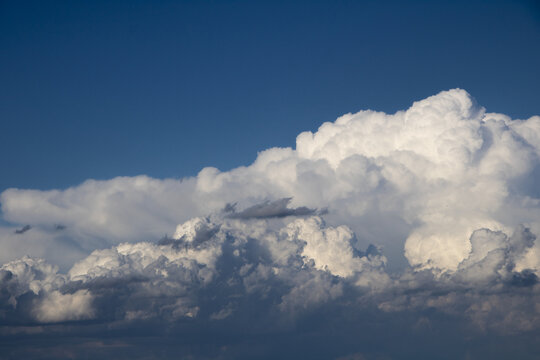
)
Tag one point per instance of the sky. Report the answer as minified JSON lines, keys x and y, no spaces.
{"x":100,"y":89}
{"x":352,"y":180}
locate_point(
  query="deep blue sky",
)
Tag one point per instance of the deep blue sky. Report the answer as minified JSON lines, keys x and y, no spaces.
{"x":100,"y":89}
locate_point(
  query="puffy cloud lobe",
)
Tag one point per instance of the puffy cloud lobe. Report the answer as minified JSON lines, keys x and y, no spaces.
{"x":28,"y":274}
{"x":332,"y":249}
{"x":494,"y":255}
{"x":55,"y":306}
{"x":41,"y":280}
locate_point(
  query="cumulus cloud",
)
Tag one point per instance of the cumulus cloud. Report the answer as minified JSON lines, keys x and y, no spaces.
{"x":41,"y":281}
{"x":64,"y":307}
{"x":423,"y":179}
{"x":431,"y":209}
{"x":296,"y":265}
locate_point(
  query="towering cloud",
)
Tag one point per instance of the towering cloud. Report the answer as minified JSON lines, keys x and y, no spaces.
{"x":435,"y":208}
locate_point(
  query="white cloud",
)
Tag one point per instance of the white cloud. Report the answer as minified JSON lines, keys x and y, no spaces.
{"x":29,"y":274}
{"x":56,"y":306}
{"x":443,"y":184}
{"x":432,"y":174}
{"x":299,"y":265}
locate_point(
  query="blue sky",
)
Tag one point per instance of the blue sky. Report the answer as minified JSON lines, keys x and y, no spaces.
{"x":101,"y":89}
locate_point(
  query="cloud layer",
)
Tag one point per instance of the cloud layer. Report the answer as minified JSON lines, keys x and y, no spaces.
{"x":432,"y":210}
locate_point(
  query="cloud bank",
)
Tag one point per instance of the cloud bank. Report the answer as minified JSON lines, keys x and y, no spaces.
{"x":426,"y":218}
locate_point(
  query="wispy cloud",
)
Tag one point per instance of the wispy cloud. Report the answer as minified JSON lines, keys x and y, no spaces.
{"x":22,"y":230}
{"x":268,"y":210}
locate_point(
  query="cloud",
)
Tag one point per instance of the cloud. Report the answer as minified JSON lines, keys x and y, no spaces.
{"x":298,"y":259}
{"x":57,"y":307}
{"x":101,"y":213}
{"x":286,"y":271}
{"x":274,"y":209}
{"x":423,"y":179}
{"x":22,"y":230}
{"x":431,"y":220}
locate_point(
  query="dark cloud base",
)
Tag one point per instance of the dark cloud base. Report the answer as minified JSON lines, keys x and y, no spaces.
{"x":326,"y":334}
